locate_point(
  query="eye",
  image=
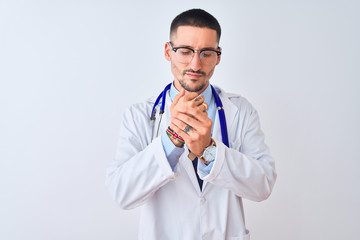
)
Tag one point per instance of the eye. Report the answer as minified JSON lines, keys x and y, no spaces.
{"x":184,"y":51}
{"x":207,"y":54}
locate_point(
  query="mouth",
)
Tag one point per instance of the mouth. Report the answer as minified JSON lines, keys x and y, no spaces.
{"x":193,"y":75}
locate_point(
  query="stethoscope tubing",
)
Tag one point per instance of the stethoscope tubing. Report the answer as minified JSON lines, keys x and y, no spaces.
{"x":224,"y":133}
{"x":162,"y":96}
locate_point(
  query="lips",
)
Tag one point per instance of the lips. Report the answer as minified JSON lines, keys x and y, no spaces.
{"x":194,"y":75}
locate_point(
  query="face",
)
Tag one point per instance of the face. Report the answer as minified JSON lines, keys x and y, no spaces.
{"x":193,"y":76}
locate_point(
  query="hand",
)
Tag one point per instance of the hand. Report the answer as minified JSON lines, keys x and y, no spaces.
{"x":189,"y":119}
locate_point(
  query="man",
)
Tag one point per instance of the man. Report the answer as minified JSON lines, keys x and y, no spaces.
{"x":191,"y":178}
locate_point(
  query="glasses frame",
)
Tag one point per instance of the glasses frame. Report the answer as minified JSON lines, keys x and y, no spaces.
{"x":218,"y":53}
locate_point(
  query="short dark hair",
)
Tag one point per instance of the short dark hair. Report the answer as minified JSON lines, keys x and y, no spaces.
{"x":196,"y":18}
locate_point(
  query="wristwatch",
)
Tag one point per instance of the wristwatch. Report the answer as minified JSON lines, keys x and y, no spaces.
{"x":209,"y":153}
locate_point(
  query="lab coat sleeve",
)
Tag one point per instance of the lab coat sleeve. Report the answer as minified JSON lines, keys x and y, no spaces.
{"x":140,"y":167}
{"x":246,"y":168}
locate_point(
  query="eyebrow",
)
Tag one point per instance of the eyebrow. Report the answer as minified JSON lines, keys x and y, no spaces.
{"x":205,"y":48}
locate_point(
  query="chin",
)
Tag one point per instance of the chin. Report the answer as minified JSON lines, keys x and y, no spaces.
{"x":193,"y":87}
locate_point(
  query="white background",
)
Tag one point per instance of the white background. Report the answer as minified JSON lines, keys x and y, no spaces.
{"x":68,"y":70}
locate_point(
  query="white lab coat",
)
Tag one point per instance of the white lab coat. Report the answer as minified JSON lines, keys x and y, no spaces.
{"x":173,"y":206}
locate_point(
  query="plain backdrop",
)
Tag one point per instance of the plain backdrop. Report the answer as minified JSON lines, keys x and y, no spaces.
{"x":69,"y":69}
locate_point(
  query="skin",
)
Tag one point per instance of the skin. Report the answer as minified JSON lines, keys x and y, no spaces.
{"x":191,"y":80}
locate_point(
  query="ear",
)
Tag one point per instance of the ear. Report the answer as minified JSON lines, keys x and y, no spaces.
{"x":167,"y":51}
{"x":218,"y":57}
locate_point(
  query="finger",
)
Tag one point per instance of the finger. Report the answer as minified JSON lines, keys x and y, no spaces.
{"x":187,"y":119}
{"x":190,"y":95}
{"x":199,"y":99}
{"x":187,"y":128}
{"x":200,"y":125}
{"x":179,"y":96}
{"x":175,"y":126}
{"x":188,"y":131}
{"x":181,"y":126}
{"x":184,"y":120}
{"x":198,"y":113}
{"x":205,"y":105}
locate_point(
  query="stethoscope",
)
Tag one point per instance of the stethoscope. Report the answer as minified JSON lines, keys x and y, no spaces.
{"x":220,"y":108}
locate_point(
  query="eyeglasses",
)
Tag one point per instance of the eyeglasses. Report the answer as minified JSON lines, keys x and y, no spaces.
{"x":186,"y":54}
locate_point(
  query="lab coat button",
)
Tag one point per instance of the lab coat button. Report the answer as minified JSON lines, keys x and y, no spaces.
{"x":202,"y":200}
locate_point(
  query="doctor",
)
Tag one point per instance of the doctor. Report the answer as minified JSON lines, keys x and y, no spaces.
{"x":190,"y":167}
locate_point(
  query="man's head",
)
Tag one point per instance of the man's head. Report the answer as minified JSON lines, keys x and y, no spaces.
{"x":193,"y":49}
{"x":195,"y":18}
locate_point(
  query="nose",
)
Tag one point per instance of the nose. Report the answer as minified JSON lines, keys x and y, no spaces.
{"x":195,"y":63}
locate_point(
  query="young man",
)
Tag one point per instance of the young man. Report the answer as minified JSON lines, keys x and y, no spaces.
{"x":190,"y":168}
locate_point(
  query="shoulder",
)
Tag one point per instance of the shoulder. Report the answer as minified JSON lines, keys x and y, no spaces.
{"x":149,"y":102}
{"x":140,"y":109}
{"x":235,"y":99}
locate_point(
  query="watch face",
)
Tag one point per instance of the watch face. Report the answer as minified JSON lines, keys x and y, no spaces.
{"x":209,"y":153}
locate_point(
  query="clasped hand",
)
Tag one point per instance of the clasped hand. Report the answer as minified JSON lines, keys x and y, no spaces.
{"x":189,"y":119}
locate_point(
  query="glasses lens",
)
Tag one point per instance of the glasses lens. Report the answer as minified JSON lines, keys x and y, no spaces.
{"x":185,"y":55}
{"x":208,"y":57}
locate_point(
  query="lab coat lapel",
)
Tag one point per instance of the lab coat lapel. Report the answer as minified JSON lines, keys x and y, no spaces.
{"x":189,"y":168}
{"x":231,"y":113}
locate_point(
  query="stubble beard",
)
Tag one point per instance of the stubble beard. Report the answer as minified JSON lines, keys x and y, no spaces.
{"x":187,"y":87}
